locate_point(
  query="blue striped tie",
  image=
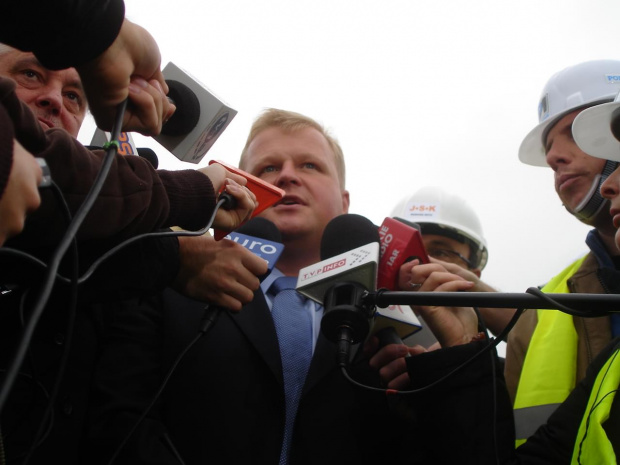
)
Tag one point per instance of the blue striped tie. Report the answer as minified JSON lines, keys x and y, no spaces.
{"x":294,"y":330}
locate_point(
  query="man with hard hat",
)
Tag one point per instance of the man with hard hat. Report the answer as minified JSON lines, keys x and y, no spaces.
{"x":548,"y":351}
{"x":585,"y":427}
{"x":452,"y":233}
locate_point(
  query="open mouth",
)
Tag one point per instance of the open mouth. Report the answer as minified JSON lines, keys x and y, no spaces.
{"x":286,"y":201}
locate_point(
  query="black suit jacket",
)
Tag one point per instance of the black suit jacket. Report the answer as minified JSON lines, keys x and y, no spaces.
{"x":224,"y":403}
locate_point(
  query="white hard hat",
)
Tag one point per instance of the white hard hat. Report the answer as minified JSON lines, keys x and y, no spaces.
{"x":439,"y":212}
{"x":596,"y":130}
{"x":579,"y":86}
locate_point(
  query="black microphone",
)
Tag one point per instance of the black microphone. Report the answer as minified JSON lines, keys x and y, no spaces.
{"x":150,"y":155}
{"x":186,"y":116}
{"x":351,"y":240}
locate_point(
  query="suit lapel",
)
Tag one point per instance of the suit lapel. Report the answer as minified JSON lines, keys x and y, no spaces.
{"x":255,"y":322}
{"x":323,"y":361}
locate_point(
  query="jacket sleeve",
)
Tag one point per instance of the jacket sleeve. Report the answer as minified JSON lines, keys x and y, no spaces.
{"x":88,"y":28}
{"x":462,"y":412}
{"x":554,"y":441}
{"x":471,"y":407}
{"x":134,"y":199}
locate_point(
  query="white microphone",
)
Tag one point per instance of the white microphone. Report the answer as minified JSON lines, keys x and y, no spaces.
{"x":358,"y":265}
{"x":200,"y":117}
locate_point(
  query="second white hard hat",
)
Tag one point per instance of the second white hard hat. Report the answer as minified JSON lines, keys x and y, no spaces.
{"x":449,"y":213}
{"x":596,"y":130}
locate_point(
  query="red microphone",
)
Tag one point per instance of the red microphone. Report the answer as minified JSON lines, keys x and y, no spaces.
{"x":400,"y":242}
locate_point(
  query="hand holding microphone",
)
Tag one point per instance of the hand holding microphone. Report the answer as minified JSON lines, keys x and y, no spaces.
{"x":220,"y":272}
{"x":223,"y":180}
{"x":129,"y":68}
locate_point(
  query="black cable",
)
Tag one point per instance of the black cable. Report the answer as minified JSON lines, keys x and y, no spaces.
{"x":43,"y":433}
{"x":46,"y":395}
{"x":2,"y":453}
{"x":485,"y":330}
{"x":97,"y":263}
{"x":221,"y":202}
{"x":571,"y":311}
{"x":208,"y":320}
{"x":50,"y":276}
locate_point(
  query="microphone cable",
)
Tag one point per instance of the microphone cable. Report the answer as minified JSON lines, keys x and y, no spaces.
{"x":49,"y":279}
{"x":208,"y":320}
{"x":224,"y":201}
{"x":491,"y":344}
{"x":48,"y":416}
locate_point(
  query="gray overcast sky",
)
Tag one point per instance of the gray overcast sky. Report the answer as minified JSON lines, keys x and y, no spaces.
{"x":417,"y":92}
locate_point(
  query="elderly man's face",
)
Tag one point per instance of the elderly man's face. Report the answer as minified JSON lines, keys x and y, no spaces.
{"x":56,"y":97}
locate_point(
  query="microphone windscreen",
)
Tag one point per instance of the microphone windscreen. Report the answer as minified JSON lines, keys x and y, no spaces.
{"x":345,"y":233}
{"x":149,"y":155}
{"x":187,"y":114}
{"x":262,"y":228}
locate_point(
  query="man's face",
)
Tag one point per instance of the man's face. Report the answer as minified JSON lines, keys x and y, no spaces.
{"x":574,"y":170}
{"x":301,"y":163}
{"x":56,"y":97}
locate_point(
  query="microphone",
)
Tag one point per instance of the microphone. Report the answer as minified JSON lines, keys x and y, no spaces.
{"x":200,"y":117}
{"x":350,"y":252}
{"x":126,"y":146}
{"x":261,"y":237}
{"x":187,"y":113}
{"x":149,"y":154}
{"x":401,"y":242}
{"x":266,"y":194}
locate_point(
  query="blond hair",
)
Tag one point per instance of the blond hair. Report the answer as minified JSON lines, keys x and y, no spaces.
{"x":289,"y":121}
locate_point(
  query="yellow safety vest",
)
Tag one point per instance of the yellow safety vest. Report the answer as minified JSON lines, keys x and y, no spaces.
{"x":592,"y":445}
{"x":549,"y":368}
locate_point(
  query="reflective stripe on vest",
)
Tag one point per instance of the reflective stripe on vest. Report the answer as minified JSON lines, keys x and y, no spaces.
{"x":549,"y":369}
{"x":592,"y":445}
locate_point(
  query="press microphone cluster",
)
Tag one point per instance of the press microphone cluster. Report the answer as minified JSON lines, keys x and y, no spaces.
{"x":352,"y":258}
{"x":347,"y":271}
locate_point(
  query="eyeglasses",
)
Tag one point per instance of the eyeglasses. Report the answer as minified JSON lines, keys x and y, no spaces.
{"x":449,"y":256}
